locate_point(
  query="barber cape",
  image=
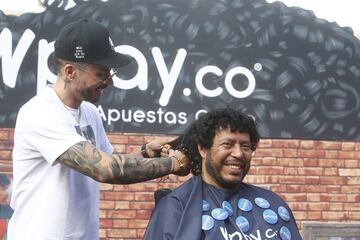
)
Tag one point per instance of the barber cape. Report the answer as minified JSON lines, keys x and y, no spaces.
{"x":197,"y":210}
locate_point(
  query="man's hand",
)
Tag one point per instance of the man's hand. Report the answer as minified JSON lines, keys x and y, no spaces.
{"x":181,"y":163}
{"x":154,"y":149}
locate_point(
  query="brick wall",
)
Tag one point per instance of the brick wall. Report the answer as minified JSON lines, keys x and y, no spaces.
{"x":320,"y":180}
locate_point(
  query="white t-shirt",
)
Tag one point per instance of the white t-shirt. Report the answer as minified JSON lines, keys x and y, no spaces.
{"x":50,"y":200}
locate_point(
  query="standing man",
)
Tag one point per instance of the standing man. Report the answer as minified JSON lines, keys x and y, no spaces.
{"x":61,"y":151}
{"x":216,"y":204}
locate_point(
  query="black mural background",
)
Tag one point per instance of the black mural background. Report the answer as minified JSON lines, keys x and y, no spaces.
{"x":308,"y":86}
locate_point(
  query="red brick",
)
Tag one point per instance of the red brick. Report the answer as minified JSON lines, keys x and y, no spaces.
{"x":352,"y":163}
{"x":312,"y":179}
{"x":293,"y":188}
{"x":138,"y":223}
{"x":4,"y":135}
{"x":331,"y":154}
{"x":122,"y":205}
{"x":122,"y":233}
{"x":121,"y":223}
{"x":314,"y":206}
{"x":106,"y":223}
{"x":291,"y":179}
{"x":147,"y":186}
{"x":122,"y":214}
{"x":346,"y":155}
{"x":331,"y":163}
{"x":138,"y":140}
{"x":348,"y":146}
{"x":338,"y":216}
{"x":353,"y":197}
{"x":290,"y":171}
{"x":142,"y":205}
{"x":311,"y":171}
{"x":311,"y":153}
{"x":279,"y":188}
{"x":267,"y":161}
{"x":350,"y":189}
{"x":277,"y":143}
{"x":5,"y":154}
{"x":307,"y":144}
{"x":269,"y":152}
{"x":354,"y":216}
{"x":265,"y":143}
{"x":332,"y":180}
{"x":294,"y":197}
{"x":118,"y":139}
{"x":336,"y":206}
{"x":331,"y":172}
{"x":327,"y":145}
{"x":298,"y":206}
{"x":274,"y":170}
{"x":106,"y":187}
{"x":143,"y":214}
{"x":107,"y":204}
{"x":313,"y":197}
{"x":313,"y":189}
{"x":311,"y":162}
{"x":291,"y":162}
{"x":333,"y":197}
{"x":290,"y":153}
{"x":349,"y":172}
{"x":352,"y":206}
{"x":333,"y":189}
{"x":300,"y":215}
{"x":314,"y":215}
{"x":119,"y":196}
{"x":353,"y":180}
{"x":144,"y":196}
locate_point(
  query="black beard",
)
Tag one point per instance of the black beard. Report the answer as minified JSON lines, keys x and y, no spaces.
{"x":218,"y":179}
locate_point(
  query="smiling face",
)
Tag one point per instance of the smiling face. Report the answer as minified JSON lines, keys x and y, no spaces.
{"x":228,"y":160}
{"x":92,"y":80}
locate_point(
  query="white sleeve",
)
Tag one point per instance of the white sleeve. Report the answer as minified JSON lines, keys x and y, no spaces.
{"x":46,"y":131}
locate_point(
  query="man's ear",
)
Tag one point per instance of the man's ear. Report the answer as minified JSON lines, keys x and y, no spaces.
{"x":202,"y":150}
{"x":69,"y":71}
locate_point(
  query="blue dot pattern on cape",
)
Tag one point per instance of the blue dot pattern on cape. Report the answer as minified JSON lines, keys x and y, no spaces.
{"x":242,"y":222}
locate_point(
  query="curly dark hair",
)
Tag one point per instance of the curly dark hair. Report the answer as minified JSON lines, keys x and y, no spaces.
{"x":203,"y":131}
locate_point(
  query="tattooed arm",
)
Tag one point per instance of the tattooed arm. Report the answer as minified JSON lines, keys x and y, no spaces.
{"x":120,"y":168}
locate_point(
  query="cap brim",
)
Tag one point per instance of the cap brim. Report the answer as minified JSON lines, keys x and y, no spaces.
{"x":115,"y":60}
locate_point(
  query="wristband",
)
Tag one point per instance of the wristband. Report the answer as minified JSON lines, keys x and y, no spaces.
{"x":179,"y":161}
{"x":143,"y":151}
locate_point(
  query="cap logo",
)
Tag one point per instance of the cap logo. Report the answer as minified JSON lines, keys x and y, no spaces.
{"x":79,"y":52}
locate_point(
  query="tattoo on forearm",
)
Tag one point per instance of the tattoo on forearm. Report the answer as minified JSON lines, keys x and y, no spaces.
{"x":117,"y":168}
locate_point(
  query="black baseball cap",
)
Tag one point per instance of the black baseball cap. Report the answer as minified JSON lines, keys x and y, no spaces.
{"x":88,"y":41}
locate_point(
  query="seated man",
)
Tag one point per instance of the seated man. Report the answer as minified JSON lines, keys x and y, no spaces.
{"x":215,"y":203}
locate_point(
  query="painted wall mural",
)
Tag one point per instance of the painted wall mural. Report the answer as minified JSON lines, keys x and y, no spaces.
{"x":297,"y":74}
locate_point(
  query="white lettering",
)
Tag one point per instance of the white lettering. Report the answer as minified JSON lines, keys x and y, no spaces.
{"x":11,"y":63}
{"x":141,"y":78}
{"x":270,"y":233}
{"x":151,"y":117}
{"x":43,"y":72}
{"x":182,"y":118}
{"x":200,"y":112}
{"x":246,"y":92}
{"x":112,"y":118}
{"x":199,"y":81}
{"x":224,"y":233}
{"x":235,"y":234}
{"x":139,"y":116}
{"x":168,"y":79}
{"x":258,"y":235}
